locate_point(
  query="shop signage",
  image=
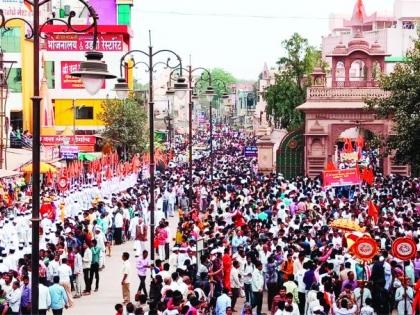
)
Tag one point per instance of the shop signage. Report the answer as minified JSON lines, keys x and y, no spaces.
{"x":79,"y":42}
{"x":16,"y":8}
{"x":66,"y":140}
{"x":336,"y":178}
{"x":404,"y":248}
{"x":251,"y":152}
{"x":69,"y":152}
{"x":69,"y":82}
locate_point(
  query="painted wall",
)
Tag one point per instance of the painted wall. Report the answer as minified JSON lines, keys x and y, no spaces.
{"x":64,"y":114}
{"x":107,"y":11}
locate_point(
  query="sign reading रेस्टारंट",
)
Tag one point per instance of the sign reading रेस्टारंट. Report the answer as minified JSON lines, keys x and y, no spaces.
{"x":83,"y":42}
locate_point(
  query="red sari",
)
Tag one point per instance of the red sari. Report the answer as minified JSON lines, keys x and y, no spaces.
{"x":227,"y":267}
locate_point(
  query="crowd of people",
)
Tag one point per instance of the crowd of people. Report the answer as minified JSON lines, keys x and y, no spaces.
{"x":256,"y":243}
{"x":250,"y":243}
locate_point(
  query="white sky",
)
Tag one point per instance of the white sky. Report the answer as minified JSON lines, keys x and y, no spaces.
{"x":237,"y":35}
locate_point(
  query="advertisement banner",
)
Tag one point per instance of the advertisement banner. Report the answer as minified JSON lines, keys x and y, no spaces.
{"x":336,"y":178}
{"x":16,"y":9}
{"x":251,"y":152}
{"x":69,"y":152}
{"x":80,"y":42}
{"x":69,"y":82}
{"x":68,"y":140}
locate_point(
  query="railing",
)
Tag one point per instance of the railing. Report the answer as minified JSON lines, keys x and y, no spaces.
{"x":345,"y":93}
{"x":355,"y":84}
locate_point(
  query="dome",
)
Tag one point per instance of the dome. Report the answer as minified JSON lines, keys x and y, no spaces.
{"x":376,"y":47}
{"x":358,"y":42}
{"x":340,"y":48}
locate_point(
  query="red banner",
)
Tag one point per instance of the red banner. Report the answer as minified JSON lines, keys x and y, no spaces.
{"x":79,"y":42}
{"x":69,"y":82}
{"x":68,"y":140}
{"x":336,"y":178}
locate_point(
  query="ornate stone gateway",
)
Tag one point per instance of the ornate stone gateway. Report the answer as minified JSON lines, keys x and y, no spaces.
{"x":290,"y":155}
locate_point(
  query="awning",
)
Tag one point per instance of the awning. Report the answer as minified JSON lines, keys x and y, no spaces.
{"x":83,"y":156}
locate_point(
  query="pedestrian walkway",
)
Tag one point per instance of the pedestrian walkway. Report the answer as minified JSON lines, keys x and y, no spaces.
{"x":109,"y":294}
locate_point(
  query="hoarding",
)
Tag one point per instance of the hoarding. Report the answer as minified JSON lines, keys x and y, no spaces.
{"x":69,"y":82}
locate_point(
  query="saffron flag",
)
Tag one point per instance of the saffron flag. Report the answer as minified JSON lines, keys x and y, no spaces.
{"x":330,"y":166}
{"x":360,"y":9}
{"x":373,"y":211}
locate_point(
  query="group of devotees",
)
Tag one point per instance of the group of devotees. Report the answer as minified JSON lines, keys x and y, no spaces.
{"x":234,"y":242}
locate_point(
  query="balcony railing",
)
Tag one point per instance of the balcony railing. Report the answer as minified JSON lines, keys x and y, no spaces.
{"x":354,"y":94}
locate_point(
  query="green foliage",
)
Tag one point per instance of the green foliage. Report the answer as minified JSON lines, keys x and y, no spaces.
{"x":403,"y":107}
{"x":282,"y":99}
{"x":289,"y":91}
{"x":218,"y":76}
{"x":125,"y":125}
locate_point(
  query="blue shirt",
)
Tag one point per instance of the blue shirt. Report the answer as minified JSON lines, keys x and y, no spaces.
{"x":25,"y":299}
{"x":222,"y":303}
{"x":58,"y":297}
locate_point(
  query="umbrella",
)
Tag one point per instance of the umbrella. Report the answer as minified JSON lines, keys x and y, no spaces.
{"x":346,"y":225}
{"x":44,"y":168}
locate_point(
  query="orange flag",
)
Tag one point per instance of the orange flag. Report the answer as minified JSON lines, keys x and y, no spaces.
{"x":330,"y":166}
{"x":373,"y":211}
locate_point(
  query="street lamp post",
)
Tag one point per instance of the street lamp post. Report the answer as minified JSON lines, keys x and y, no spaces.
{"x":92,"y":73}
{"x":122,"y":90}
{"x":191,"y":95}
{"x":212,"y":94}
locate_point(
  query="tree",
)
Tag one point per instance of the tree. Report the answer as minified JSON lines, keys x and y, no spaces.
{"x":289,"y":90}
{"x":125,"y":125}
{"x":218,"y":75}
{"x":403,"y":107}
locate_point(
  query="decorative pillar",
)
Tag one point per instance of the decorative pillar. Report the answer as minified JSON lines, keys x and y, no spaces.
{"x":265,"y":155}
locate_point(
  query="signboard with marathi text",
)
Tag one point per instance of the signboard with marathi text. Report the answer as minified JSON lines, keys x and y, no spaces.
{"x":337,"y":178}
{"x":81,"y":42}
{"x":84,"y":143}
{"x":251,"y":152}
{"x":68,"y":81}
{"x":16,"y":9}
{"x":69,"y":152}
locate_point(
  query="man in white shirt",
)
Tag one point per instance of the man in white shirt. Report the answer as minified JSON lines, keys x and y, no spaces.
{"x":13,"y":298}
{"x":52,"y":270}
{"x":44,"y":299}
{"x":64,"y":272}
{"x":86,"y":263}
{"x":235,"y":283}
{"x":119,"y":223}
{"x":78,"y":271}
{"x":125,"y":282}
{"x":257,"y":287}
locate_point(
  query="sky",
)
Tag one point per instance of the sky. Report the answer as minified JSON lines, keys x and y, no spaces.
{"x":236,"y":35}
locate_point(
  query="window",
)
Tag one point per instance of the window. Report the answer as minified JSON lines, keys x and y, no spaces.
{"x":14,"y":81}
{"x":10,"y":40}
{"x":50,"y":73}
{"x":84,"y":112}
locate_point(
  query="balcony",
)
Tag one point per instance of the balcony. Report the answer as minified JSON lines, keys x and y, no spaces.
{"x":355,"y":84}
{"x":344,"y":93}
